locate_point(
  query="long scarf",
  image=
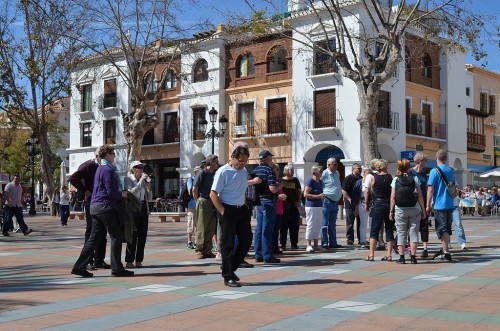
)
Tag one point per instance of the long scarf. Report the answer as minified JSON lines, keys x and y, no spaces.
{"x":115,"y":173}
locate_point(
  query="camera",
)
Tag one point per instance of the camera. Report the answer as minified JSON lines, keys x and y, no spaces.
{"x":148,"y":179}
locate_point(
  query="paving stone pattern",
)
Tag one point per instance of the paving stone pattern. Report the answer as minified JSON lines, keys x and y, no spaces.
{"x":327,"y":290}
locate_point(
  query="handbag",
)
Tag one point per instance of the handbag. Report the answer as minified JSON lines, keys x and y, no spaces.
{"x":450,"y":187}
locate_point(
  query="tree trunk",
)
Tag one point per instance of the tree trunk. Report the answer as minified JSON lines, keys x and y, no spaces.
{"x":367,"y":119}
{"x":135,"y":126}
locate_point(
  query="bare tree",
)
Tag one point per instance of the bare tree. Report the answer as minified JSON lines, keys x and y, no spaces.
{"x":34,"y":67}
{"x":365,"y":40}
{"x":145,"y":33}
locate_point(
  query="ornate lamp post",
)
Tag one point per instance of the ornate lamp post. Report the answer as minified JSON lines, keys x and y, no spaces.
{"x":213,"y":133}
{"x":32,"y":148}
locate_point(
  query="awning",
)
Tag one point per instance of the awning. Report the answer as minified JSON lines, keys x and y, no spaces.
{"x":491,"y":173}
{"x":478,"y":168}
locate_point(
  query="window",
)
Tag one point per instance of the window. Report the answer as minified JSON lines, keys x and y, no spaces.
{"x":467,"y":91}
{"x":86,"y":134}
{"x":198,"y":115}
{"x":109,"y":93}
{"x":86,"y":98}
{"x":171,"y":128}
{"x":384,"y":110}
{"x":246,"y":119}
{"x":483,"y":102}
{"x":277,"y":59}
{"x":200,"y":71}
{"x":408,"y":115}
{"x":324,"y":108}
{"x":324,"y":61}
{"x":426,"y":66}
{"x":150,"y":83}
{"x":276,"y":116}
{"x":170,"y":81}
{"x":245,"y":66}
{"x":110,"y":132}
{"x":492,"y":104}
{"x":149,"y":137}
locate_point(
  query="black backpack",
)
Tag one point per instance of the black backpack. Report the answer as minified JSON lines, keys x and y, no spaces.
{"x":405,"y":191}
{"x":185,"y":196}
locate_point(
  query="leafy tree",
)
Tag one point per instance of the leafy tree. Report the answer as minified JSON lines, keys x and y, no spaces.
{"x":34,"y":66}
{"x":450,"y":24}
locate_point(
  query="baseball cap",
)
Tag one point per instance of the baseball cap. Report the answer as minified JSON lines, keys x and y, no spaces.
{"x":203,"y":163}
{"x":265,"y":153}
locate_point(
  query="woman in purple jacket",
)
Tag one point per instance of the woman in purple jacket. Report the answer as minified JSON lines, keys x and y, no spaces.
{"x":107,"y":193}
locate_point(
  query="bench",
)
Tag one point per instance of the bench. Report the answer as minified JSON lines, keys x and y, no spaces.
{"x":162,"y":216}
{"x":80,"y":214}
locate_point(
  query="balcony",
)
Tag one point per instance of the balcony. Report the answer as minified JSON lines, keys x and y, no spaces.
{"x":248,"y":132}
{"x":277,"y":127}
{"x":109,"y":101}
{"x":325,"y":125}
{"x":427,"y":129}
{"x":476,"y":142}
{"x":323,"y":68}
{"x":108,"y":105}
{"x":388,"y":120}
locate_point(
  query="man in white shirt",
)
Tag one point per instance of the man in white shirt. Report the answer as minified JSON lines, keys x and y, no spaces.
{"x":13,"y":195}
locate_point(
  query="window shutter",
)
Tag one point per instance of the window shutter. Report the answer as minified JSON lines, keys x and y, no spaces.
{"x":276,"y":116}
{"x":324,"y":108}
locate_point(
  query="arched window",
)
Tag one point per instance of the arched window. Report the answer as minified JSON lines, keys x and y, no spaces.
{"x":426,"y":66}
{"x":245,"y":65}
{"x":277,"y":59}
{"x":170,"y":81}
{"x":200,"y":73}
{"x":150,"y":82}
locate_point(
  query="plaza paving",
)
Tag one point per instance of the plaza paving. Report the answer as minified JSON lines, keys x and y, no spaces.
{"x":327,"y":290}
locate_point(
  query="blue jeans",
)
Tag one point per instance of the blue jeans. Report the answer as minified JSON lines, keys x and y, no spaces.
{"x":266,"y":220}
{"x":329,"y":223}
{"x":457,"y":223}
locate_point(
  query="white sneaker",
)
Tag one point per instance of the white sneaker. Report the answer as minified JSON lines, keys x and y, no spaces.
{"x":464,"y":247}
{"x":218,"y":257}
{"x":309,"y":249}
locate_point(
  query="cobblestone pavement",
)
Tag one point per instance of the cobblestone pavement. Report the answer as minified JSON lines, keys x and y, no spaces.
{"x":333,"y":289}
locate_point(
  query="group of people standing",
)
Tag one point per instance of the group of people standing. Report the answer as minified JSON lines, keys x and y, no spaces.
{"x":114,"y":208}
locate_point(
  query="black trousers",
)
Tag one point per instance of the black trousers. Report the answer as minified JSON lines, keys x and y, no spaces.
{"x":349,"y":222}
{"x":104,"y":218}
{"x":235,"y":223}
{"x":135,"y":250}
{"x":18,"y":213}
{"x":290,"y":224}
{"x":99,"y":254}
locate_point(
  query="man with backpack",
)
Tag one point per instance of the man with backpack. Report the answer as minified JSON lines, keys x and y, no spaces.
{"x":440,"y":198}
{"x":190,"y":207}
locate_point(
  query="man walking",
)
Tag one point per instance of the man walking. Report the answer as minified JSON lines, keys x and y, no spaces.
{"x":347,"y":188}
{"x":330,"y":180}
{"x":266,"y":209}
{"x":13,"y":196}
{"x":442,"y":202}
{"x":83,"y":180}
{"x":205,"y":219}
{"x":228,"y":197}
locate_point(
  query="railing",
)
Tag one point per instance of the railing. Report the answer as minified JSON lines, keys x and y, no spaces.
{"x":476,"y":142}
{"x":109,"y":101}
{"x":248,"y":130}
{"x":321,"y":68}
{"x":171,"y":135}
{"x":426,"y":129}
{"x":327,"y":119}
{"x":388,"y":120}
{"x":275,"y":125}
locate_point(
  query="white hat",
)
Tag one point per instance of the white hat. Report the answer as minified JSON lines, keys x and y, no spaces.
{"x":136,"y":164}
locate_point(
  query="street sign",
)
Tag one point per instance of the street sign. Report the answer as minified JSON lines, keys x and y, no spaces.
{"x":408,"y":155}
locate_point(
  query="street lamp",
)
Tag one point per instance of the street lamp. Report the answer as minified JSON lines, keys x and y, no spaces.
{"x":213,"y":133}
{"x":32,"y":148}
